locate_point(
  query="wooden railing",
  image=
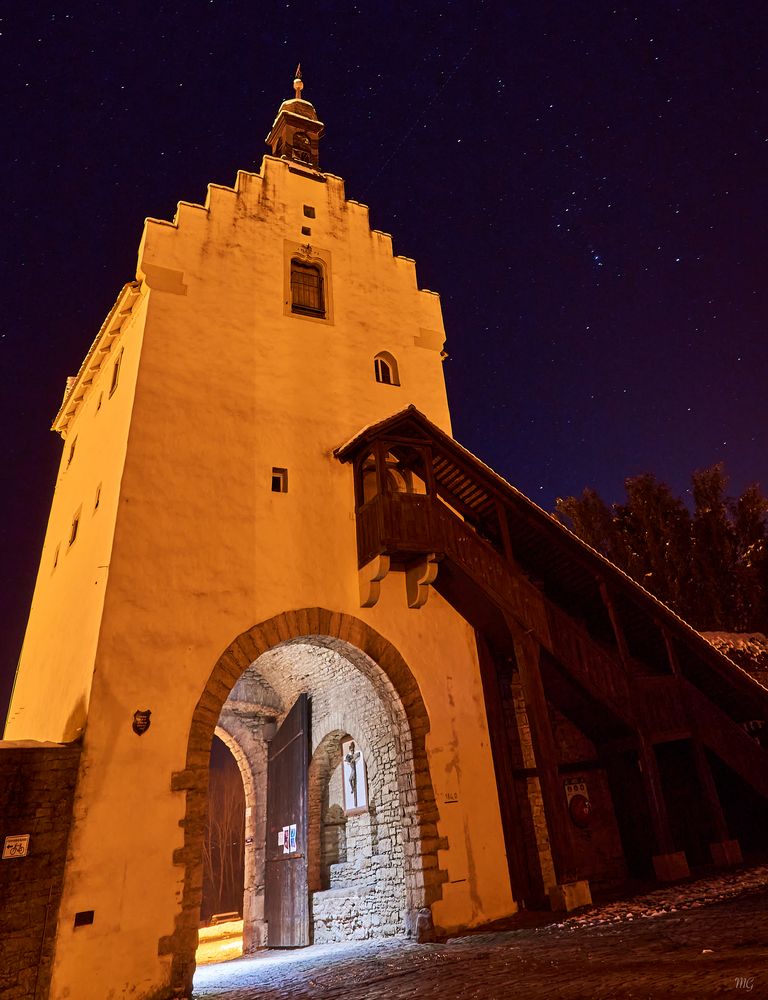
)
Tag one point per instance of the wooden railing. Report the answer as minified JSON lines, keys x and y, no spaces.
{"x":413,"y":524}
{"x":660,"y":707}
{"x":399,"y":524}
{"x":720,"y":733}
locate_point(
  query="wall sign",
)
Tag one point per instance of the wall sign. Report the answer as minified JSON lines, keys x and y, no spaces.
{"x":579,"y":806}
{"x":355,"y":783}
{"x":141,"y":722}
{"x":16,"y":846}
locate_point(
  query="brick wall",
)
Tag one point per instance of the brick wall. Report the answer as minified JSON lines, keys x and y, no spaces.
{"x":37,"y":784}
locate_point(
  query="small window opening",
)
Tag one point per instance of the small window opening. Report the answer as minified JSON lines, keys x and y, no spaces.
{"x":302,"y":148}
{"x":307,"y":289}
{"x":84,"y":918}
{"x":100,"y":400}
{"x":71,"y":452}
{"x":279,"y":480}
{"x":75,"y":525}
{"x":116,"y":373}
{"x":97,"y":501}
{"x":306,"y":231}
{"x":56,"y":557}
{"x":309,"y":211}
{"x":385,"y":369}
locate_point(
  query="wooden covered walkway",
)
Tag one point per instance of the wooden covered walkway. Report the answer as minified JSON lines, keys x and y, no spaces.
{"x":665,"y":712}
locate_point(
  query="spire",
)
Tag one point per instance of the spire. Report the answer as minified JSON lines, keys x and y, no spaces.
{"x":296,"y":132}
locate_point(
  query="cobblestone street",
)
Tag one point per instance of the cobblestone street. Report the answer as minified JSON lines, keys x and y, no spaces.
{"x":699,"y":940}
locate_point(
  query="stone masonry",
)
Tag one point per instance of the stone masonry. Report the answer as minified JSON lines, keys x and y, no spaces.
{"x":37,"y":784}
{"x":356,"y":864}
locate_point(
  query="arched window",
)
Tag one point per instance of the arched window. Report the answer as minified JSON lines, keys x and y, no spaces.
{"x":385,"y":369}
{"x":307,"y":296}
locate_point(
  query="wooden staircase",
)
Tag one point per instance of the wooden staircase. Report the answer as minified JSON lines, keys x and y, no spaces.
{"x":578,"y":628}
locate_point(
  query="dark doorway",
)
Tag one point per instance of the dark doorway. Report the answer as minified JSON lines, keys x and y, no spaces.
{"x":223,"y":847}
{"x":286,"y":901}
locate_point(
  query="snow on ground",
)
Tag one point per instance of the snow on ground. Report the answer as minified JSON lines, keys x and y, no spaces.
{"x":672,"y":898}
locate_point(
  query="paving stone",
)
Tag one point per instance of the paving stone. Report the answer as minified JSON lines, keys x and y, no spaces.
{"x":704,"y":938}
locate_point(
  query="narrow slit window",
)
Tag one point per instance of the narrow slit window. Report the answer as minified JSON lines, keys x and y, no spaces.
{"x":97,"y":500}
{"x":75,"y":526}
{"x":71,"y":452}
{"x":307,"y":289}
{"x":116,"y":373}
{"x":56,"y":557}
{"x":279,"y":480}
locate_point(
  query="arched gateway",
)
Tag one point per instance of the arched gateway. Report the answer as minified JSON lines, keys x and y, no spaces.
{"x":359,"y":684}
{"x":489,"y":716}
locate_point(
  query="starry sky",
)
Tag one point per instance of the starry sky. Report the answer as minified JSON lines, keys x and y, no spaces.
{"x":584,"y":184}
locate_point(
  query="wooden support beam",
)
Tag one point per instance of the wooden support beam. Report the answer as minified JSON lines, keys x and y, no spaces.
{"x":618,"y":632}
{"x":527,"y":654}
{"x":514,"y":804}
{"x":655,"y":796}
{"x":709,"y":791}
{"x":506,"y":541}
{"x":703,"y":770}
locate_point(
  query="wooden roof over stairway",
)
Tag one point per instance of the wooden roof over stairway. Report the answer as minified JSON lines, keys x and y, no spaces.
{"x":550,"y":555}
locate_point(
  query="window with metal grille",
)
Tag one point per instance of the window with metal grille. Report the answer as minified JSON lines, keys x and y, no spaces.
{"x":307,"y":289}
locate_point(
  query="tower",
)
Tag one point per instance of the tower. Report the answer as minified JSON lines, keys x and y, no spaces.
{"x":262,"y":528}
{"x":201,"y":525}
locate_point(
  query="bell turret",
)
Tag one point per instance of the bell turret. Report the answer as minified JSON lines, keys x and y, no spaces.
{"x":296,"y":131}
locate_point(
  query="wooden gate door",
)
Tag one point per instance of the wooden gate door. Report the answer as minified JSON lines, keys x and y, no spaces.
{"x":286,"y":901}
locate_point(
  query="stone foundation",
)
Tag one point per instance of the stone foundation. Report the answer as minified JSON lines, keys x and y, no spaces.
{"x":37,"y":784}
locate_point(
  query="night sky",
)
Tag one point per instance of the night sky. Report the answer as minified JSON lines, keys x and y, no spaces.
{"x":584,"y":184}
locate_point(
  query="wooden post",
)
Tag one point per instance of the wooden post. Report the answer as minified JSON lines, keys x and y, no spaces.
{"x":621,"y":642}
{"x":514,"y":804}
{"x":724,"y":850}
{"x":527,"y":654}
{"x":429,"y":472}
{"x":655,"y":796}
{"x":506,"y":541}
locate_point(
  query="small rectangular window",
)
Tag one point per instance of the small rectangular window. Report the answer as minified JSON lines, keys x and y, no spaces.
{"x":279,"y":480}
{"x":84,"y":918}
{"x":306,"y":231}
{"x":116,"y":373}
{"x":309,"y":211}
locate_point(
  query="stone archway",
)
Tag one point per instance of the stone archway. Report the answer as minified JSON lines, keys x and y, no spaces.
{"x":378,"y":660}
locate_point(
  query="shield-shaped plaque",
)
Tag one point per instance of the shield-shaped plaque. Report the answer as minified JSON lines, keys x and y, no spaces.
{"x":141,"y":721}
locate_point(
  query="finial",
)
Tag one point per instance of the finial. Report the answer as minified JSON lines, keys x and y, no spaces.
{"x":298,"y":86}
